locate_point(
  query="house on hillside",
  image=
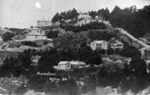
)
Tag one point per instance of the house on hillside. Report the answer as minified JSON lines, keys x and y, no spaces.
{"x":101,"y":44}
{"x":36,"y":34}
{"x":128,"y":60}
{"x":35,"y":60}
{"x":116,"y":44}
{"x":83,"y":18}
{"x":43,"y":23}
{"x":98,"y":18}
{"x":68,"y":65}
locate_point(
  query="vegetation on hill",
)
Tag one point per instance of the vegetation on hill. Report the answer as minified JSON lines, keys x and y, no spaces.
{"x":52,"y":34}
{"x":30,"y":43}
{"x":104,"y":13}
{"x":101,"y":35}
{"x":16,"y":30}
{"x":71,"y":14}
{"x":136,"y":22}
{"x":86,"y":27}
{"x":7,"y":36}
{"x":73,"y":46}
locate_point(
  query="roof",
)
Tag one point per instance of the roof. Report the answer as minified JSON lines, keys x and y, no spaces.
{"x":77,"y":63}
{"x":118,"y":61}
{"x":63,"y":62}
{"x":35,"y":58}
{"x":99,"y":42}
{"x":84,"y":16}
{"x":71,"y":62}
{"x":35,"y":34}
{"x":107,"y":59}
{"x":118,"y":42}
{"x":49,"y":39}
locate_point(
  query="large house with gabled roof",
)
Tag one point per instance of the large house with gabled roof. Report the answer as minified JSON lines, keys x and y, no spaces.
{"x":68,"y":65}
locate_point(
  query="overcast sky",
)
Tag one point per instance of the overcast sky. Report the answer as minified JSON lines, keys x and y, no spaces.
{"x":25,"y":13}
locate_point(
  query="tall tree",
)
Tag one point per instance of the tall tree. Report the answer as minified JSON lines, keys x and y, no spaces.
{"x":104,"y":13}
{"x":7,"y":36}
{"x":56,"y":18}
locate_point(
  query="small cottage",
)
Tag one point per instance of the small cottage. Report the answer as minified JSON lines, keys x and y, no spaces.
{"x":43,"y":23}
{"x":116,"y":44}
{"x":67,"y":65}
{"x":102,"y":44}
{"x":64,"y":65}
{"x":36,"y":34}
{"x":35,"y":60}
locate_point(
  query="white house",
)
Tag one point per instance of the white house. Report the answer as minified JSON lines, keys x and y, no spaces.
{"x":77,"y":64}
{"x":42,"y":23}
{"x":116,"y":44}
{"x":35,"y":59}
{"x":83,"y":18}
{"x":99,"y":45}
{"x":36,"y":34}
{"x":67,"y":65}
{"x":64,"y":65}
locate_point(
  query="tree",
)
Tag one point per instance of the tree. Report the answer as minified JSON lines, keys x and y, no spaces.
{"x":52,"y":34}
{"x":69,"y":41}
{"x":56,"y":18}
{"x":73,"y":88}
{"x":48,"y":60}
{"x":88,"y":56}
{"x":130,"y":51}
{"x":74,"y":13}
{"x":138,"y":67}
{"x":92,"y":14}
{"x":131,"y":20}
{"x":10,"y":67}
{"x":101,"y":35}
{"x":104,"y":13}
{"x":25,"y":59}
{"x":7,"y":36}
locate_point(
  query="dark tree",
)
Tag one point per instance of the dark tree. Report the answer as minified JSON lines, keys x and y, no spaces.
{"x":7,"y":36}
{"x":56,"y":18}
{"x":92,"y":14}
{"x":104,"y":13}
{"x":52,"y":34}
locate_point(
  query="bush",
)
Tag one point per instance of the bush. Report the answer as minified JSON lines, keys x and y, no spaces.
{"x":7,"y":36}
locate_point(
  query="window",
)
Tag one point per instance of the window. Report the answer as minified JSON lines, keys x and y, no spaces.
{"x":41,"y":31}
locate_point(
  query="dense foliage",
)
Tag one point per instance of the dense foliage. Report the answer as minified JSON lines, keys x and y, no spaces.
{"x":101,"y":35}
{"x":30,"y":43}
{"x":52,"y":34}
{"x":86,"y":27}
{"x":7,"y":36}
{"x":135,"y":22}
{"x":73,"y":47}
{"x":16,"y":30}
{"x":71,"y":14}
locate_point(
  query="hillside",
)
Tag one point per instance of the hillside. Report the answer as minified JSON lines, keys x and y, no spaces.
{"x":84,"y":23}
{"x":4,"y":54}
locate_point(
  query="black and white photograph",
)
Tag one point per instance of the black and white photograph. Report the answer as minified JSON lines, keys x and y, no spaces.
{"x":74,"y":47}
